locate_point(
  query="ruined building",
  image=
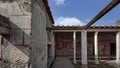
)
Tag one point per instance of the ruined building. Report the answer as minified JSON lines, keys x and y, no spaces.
{"x":16,"y":30}
{"x":28,"y":38}
{"x":15,"y":17}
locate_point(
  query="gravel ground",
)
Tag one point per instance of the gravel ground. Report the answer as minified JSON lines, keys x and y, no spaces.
{"x":17,"y":64}
{"x":102,"y":64}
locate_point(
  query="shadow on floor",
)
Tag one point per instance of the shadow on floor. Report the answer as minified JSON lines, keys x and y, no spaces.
{"x":62,"y":63}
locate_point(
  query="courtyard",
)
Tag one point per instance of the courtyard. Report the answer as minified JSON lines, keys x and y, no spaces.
{"x":102,"y":64}
{"x":30,"y":37}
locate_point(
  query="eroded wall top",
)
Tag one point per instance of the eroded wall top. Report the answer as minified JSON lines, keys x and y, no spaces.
{"x":25,"y":4}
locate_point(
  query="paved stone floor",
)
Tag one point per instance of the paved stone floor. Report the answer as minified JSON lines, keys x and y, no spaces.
{"x":62,"y":63}
{"x":66,"y":63}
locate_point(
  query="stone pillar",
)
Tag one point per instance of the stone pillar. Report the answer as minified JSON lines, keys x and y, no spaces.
{"x":96,"y":47}
{"x":118,"y":47}
{"x":84,"y":48}
{"x":74,"y":44}
{"x":53,"y":44}
{"x":0,"y":46}
{"x":5,"y":49}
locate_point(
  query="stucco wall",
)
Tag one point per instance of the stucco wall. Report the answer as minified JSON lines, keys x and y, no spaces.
{"x":39,"y":47}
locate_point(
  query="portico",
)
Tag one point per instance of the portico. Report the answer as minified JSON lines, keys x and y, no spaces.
{"x":94,"y":43}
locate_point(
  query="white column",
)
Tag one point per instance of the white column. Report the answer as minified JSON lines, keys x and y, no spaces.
{"x":74,"y":44}
{"x":96,"y":47}
{"x":118,"y":47}
{"x":84,"y":48}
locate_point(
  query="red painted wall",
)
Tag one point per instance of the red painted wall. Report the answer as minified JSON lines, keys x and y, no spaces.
{"x":64,"y":43}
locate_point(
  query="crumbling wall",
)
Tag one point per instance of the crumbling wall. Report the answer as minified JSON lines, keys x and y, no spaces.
{"x":25,"y":5}
{"x":51,"y":47}
{"x":15,"y":48}
{"x":12,"y":56}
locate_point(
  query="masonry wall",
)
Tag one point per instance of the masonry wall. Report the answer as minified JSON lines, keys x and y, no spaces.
{"x":40,"y":40}
{"x":15,"y":46}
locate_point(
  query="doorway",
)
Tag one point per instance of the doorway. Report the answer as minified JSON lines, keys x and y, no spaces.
{"x":113,"y":49}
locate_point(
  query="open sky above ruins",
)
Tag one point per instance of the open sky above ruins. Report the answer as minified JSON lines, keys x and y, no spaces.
{"x":80,"y":12}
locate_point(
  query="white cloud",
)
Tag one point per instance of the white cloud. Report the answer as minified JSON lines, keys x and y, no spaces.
{"x":68,"y":21}
{"x":59,"y":2}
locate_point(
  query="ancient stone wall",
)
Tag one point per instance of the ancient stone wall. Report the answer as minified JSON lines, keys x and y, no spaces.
{"x":15,"y":47}
{"x":23,"y":4}
{"x":39,"y":47}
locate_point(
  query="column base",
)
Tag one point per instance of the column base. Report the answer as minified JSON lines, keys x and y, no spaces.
{"x":75,"y":62}
{"x":84,"y":66}
{"x":117,"y":61}
{"x":97,"y":62}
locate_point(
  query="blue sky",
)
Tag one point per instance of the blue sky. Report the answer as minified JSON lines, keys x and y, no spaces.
{"x":80,"y":12}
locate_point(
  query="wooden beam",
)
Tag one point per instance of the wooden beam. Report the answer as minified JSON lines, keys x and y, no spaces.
{"x":110,"y":6}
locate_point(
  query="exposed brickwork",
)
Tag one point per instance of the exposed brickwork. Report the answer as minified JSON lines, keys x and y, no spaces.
{"x":15,"y":45}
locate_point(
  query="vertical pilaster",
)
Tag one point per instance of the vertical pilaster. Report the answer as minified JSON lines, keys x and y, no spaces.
{"x":96,"y":47}
{"x":74,"y":44}
{"x":84,"y":48}
{"x":53,"y":44}
{"x":118,"y":47}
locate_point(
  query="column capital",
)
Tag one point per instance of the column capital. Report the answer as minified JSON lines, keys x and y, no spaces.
{"x":83,"y":30}
{"x":118,"y":32}
{"x":74,"y":31}
{"x":96,"y":31}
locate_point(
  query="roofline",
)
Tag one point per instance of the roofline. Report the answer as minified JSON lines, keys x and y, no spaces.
{"x":81,"y":27}
{"x":48,"y":10}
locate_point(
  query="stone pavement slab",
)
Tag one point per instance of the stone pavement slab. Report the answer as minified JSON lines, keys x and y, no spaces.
{"x":62,"y":63}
